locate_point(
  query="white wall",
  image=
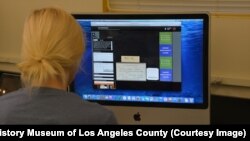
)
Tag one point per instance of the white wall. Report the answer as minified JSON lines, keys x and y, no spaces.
{"x":230,"y":54}
{"x":231,"y":46}
{"x":14,"y":12}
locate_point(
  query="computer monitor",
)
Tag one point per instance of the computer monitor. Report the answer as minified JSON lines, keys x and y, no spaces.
{"x":144,"y":61}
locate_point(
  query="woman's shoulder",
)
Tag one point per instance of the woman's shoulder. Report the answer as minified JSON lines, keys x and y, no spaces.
{"x":11,"y":95}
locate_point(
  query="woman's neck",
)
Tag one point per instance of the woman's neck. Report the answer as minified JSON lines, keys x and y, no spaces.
{"x":54,"y":83}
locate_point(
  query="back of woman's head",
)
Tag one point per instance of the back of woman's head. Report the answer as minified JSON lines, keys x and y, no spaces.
{"x":52,"y":47}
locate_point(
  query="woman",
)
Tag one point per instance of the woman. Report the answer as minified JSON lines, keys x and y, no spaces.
{"x":51,"y":52}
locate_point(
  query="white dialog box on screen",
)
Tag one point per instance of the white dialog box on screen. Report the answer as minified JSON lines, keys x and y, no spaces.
{"x":131,"y":71}
{"x":103,"y":68}
{"x":152,"y":74}
{"x":100,"y":56}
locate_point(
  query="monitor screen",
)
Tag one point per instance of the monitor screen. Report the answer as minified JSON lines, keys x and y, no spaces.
{"x":158,"y":60}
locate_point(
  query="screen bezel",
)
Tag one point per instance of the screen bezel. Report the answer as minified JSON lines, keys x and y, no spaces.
{"x":205,"y":68}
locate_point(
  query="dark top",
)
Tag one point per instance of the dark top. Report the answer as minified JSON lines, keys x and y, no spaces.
{"x":51,"y":106}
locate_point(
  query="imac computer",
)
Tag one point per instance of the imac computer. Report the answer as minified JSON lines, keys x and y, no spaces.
{"x":147,"y":68}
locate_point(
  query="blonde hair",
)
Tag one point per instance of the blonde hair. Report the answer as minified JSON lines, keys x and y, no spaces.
{"x":52,"y":47}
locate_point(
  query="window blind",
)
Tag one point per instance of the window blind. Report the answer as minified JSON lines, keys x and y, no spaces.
{"x":178,"y":5}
